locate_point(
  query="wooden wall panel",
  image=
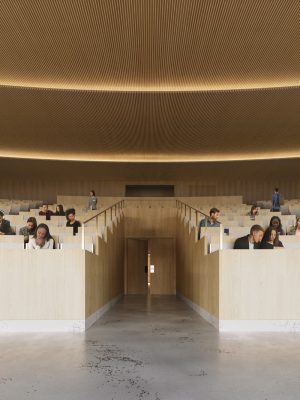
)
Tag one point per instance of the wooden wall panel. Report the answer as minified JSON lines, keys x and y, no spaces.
{"x":197,"y":274}
{"x":137,"y":260}
{"x":43,"y":285}
{"x":260,"y":285}
{"x":162,"y":256}
{"x":150,"y":222}
{"x":254,"y":180}
{"x":105,"y":271}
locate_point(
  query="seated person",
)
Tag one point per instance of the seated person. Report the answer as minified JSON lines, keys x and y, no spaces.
{"x":41,"y":239}
{"x":251,"y":241}
{"x":212,"y":221}
{"x":295,"y":230}
{"x":60,"y":210}
{"x":275,"y":222}
{"x":270,"y":239}
{"x":46,"y":211}
{"x":253,"y":211}
{"x":71,"y":221}
{"x":5,"y":228}
{"x":29,"y":229}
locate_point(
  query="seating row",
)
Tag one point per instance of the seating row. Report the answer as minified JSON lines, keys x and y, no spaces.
{"x":61,"y":242}
{"x":289,"y":242}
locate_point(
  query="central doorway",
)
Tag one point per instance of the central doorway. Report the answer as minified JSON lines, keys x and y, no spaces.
{"x":151,"y":266}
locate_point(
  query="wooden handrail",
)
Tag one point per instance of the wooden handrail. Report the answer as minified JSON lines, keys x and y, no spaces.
{"x":120,"y":205}
{"x":192,"y":208}
{"x":179,"y":205}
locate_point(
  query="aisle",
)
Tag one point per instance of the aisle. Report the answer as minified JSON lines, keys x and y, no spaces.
{"x":150,"y":348}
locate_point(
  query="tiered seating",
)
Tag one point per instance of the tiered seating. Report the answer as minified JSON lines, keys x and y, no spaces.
{"x":62,"y":235}
{"x":16,"y":206}
{"x":236,"y":223}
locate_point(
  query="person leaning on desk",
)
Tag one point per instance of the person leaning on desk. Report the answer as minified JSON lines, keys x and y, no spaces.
{"x":251,"y":241}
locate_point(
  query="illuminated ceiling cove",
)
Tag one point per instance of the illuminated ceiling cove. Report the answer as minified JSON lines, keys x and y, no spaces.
{"x":150,"y":80}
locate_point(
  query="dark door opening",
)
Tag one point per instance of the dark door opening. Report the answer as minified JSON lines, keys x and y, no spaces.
{"x":149,"y":191}
{"x":151,"y":266}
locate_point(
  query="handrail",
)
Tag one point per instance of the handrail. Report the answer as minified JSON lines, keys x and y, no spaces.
{"x":192,"y":208}
{"x":119,"y":205}
{"x":181,"y":203}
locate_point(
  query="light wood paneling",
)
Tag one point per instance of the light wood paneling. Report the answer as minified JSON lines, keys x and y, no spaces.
{"x":46,"y":284}
{"x":259,"y":285}
{"x":197,"y":274}
{"x":137,"y":258}
{"x":162,"y":256}
{"x":254,"y":180}
{"x":104,"y":276}
{"x":149,"y":222}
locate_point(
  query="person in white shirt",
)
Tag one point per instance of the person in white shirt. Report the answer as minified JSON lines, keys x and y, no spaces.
{"x":251,"y":241}
{"x":41,"y":239}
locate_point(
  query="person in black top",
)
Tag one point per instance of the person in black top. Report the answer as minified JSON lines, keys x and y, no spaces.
{"x":251,"y":241}
{"x":45,"y":211}
{"x":5,"y":228}
{"x":275,"y":222}
{"x":71,"y":221}
{"x":60,"y":210}
{"x":270,"y":239}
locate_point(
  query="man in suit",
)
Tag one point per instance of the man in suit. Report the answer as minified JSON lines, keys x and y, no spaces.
{"x":251,"y":241}
{"x":5,"y":228}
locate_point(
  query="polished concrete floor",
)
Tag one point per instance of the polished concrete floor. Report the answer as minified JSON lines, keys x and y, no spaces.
{"x":150,"y":348}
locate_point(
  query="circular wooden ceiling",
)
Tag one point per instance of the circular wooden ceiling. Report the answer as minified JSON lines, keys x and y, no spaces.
{"x":159,"y":80}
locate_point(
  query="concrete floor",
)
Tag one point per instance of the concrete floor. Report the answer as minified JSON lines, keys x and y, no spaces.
{"x":156,"y":349}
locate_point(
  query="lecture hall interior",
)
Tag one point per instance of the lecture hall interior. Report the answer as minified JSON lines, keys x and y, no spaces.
{"x":151,"y":150}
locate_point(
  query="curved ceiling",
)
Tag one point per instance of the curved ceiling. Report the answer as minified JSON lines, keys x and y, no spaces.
{"x":150,"y":80}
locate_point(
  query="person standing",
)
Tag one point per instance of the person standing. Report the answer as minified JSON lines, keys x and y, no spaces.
{"x":276,"y":200}
{"x":92,"y":204}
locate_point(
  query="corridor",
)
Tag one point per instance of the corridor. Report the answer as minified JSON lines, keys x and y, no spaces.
{"x":150,"y":348}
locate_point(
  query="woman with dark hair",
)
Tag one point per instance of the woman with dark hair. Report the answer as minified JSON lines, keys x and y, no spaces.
{"x":71,"y":221}
{"x":270,"y":239}
{"x":60,"y":210}
{"x":253,"y":211}
{"x":295,"y":230}
{"x":29,"y":229}
{"x":41,"y":239}
{"x":92,"y":204}
{"x":275,"y":222}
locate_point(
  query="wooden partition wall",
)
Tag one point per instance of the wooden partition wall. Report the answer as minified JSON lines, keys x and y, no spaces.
{"x":239,"y":290}
{"x":197,"y":272}
{"x":61,"y":290}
